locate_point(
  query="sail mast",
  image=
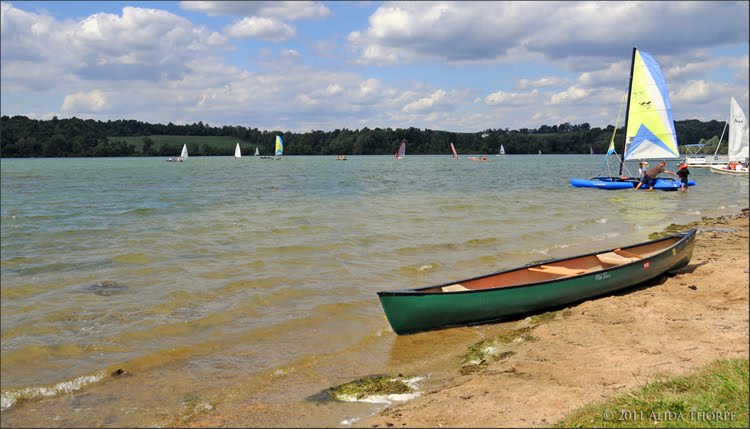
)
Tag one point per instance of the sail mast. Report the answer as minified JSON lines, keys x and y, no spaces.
{"x":627,"y":110}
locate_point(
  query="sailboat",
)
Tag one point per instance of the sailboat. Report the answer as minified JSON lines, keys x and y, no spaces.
{"x":183,"y":155}
{"x":279,"y":149}
{"x":453,"y":149}
{"x":401,"y":150}
{"x":502,"y":151}
{"x":738,"y":143}
{"x":591,"y":150}
{"x":649,"y":128}
{"x":237,"y":152}
{"x":540,"y":151}
{"x":257,"y":152}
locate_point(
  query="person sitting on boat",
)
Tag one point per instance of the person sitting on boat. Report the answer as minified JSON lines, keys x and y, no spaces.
{"x":652,"y":173}
{"x":683,"y":173}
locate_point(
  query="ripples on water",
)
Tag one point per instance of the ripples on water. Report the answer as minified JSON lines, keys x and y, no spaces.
{"x":216,"y":281}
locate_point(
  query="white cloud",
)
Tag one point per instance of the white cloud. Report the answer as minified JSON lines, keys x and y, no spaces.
{"x":425,"y":103}
{"x":571,"y":95}
{"x":92,"y":101}
{"x":286,"y":10}
{"x":480,"y":31}
{"x":290,"y":53}
{"x":699,"y":91}
{"x":260,"y":28}
{"x":511,"y":98}
{"x":542,"y":82}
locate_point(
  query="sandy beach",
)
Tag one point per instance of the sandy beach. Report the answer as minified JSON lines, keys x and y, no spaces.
{"x":603,"y":347}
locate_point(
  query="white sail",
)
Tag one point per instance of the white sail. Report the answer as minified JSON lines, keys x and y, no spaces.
{"x":184,"y":153}
{"x":738,"y":133}
{"x":256,"y":151}
{"x":502,"y":150}
{"x":401,"y":151}
{"x":237,"y":152}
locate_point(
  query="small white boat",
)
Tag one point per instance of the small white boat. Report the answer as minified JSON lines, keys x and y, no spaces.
{"x":237,"y":152}
{"x":183,"y":155}
{"x":738,"y":170}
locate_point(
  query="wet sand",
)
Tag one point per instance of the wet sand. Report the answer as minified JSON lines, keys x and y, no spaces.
{"x":603,"y":347}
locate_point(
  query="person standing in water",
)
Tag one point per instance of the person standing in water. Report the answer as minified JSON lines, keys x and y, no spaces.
{"x":683,"y":173}
{"x":652,"y":173}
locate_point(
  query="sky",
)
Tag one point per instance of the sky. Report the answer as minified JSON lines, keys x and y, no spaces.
{"x":304,"y":65}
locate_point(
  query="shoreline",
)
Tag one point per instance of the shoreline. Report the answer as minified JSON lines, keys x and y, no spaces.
{"x":603,"y":347}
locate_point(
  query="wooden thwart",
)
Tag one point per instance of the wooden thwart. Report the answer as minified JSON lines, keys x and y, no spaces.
{"x":628,"y":254}
{"x":563,"y":271}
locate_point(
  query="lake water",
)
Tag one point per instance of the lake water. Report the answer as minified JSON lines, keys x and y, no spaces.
{"x":248,"y":286}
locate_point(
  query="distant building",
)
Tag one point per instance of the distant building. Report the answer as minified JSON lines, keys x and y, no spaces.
{"x":485,"y":135}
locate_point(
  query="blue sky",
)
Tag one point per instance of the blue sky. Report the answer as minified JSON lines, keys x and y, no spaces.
{"x":301,"y":66}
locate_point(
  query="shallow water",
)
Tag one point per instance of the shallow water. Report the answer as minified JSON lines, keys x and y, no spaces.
{"x":249,"y":285}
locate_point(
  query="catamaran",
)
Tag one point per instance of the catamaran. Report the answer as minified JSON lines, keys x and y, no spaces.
{"x":401,"y":150}
{"x":279,"y":149}
{"x":649,"y":128}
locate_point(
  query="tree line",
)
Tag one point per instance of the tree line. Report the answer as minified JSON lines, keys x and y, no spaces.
{"x":23,"y":137}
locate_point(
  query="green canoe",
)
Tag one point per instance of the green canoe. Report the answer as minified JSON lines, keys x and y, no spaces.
{"x":534,"y":287}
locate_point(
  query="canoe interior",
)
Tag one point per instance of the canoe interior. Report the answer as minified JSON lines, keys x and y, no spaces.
{"x":557,"y":269}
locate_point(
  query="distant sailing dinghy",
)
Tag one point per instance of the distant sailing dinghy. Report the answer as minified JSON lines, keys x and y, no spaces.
{"x":401,"y":150}
{"x":453,"y":149}
{"x":649,"y":128}
{"x":237,"y":152}
{"x":257,"y":152}
{"x":279,"y":150}
{"x":739,"y":143}
{"x":502,"y":151}
{"x":183,"y":155}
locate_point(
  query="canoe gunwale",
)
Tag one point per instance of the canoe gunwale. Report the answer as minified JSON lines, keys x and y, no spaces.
{"x":684,"y":236}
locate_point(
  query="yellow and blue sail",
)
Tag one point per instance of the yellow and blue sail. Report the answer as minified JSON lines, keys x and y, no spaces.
{"x":279,"y":146}
{"x":650,"y":131}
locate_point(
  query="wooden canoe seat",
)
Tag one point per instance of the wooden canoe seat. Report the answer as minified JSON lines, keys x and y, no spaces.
{"x":612,"y":258}
{"x":454,"y":288}
{"x":563,"y":271}
{"x":627,"y":254}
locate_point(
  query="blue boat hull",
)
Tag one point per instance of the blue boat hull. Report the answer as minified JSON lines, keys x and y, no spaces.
{"x":613,"y":183}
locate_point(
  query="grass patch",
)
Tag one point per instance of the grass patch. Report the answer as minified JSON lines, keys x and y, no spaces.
{"x":716,"y":396}
{"x":373,"y":385}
